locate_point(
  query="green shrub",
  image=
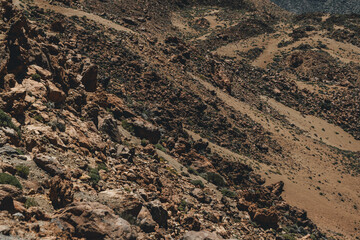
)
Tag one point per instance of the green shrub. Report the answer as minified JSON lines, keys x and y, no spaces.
{"x":36,"y":77}
{"x":30,"y":202}
{"x":144,"y":142}
{"x":6,"y":121}
{"x":182,"y":206}
{"x":39,"y":118}
{"x":19,"y":151}
{"x":94,"y":176}
{"x":9,"y":179}
{"x":198,"y":183}
{"x":102,"y":166}
{"x":289,"y":236}
{"x":160,"y":147}
{"x":228,"y":193}
{"x":215,"y":179}
{"x":185,"y":174}
{"x":22,"y":170}
{"x":127,"y":126}
{"x":192,"y":171}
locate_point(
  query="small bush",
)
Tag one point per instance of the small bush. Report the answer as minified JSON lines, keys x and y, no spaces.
{"x":9,"y":179}
{"x":102,"y":166}
{"x":22,"y":170}
{"x":6,"y":121}
{"x":192,"y":171}
{"x":127,"y":126}
{"x":289,"y":236}
{"x":39,"y":118}
{"x":198,"y":183}
{"x":144,"y":142}
{"x":215,"y":179}
{"x":228,"y":193}
{"x":160,"y":147}
{"x":182,"y":206}
{"x":19,"y":151}
{"x":36,"y":77}
{"x":94,"y":176}
{"x":185,"y":174}
{"x":30,"y":202}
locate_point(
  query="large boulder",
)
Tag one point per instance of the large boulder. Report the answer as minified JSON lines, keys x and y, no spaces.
{"x":158,"y":213}
{"x":49,"y":164}
{"x":89,"y":78}
{"x":6,"y":201}
{"x":109,"y":126}
{"x":55,"y":94}
{"x":124,"y":204}
{"x":145,"y":221}
{"x":266,"y":218}
{"x":12,"y":191}
{"x":201,"y":235}
{"x":37,"y":89}
{"x":146,"y":130}
{"x":61,"y":193}
{"x":93,"y":221}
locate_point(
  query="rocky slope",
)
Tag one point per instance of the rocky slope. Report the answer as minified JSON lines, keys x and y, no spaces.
{"x":134,"y":120}
{"x":327,"y":6}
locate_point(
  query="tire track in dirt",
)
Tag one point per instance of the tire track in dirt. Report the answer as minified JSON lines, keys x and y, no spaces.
{"x":70,"y":12}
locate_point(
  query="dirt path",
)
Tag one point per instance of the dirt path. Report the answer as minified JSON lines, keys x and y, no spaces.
{"x":317,"y":128}
{"x":344,"y":52}
{"x":69,"y":12}
{"x":267,"y":56}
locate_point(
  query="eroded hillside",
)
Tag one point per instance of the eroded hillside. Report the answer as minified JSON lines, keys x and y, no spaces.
{"x":177,"y":120}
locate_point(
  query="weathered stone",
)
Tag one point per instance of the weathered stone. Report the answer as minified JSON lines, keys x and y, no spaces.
{"x":6,"y":201}
{"x":54,"y":93}
{"x":109,"y":126}
{"x":94,"y":221}
{"x":201,"y":235}
{"x":61,"y":193}
{"x":158,"y":213}
{"x":89,"y":78}
{"x":145,"y":221}
{"x":123,"y":203}
{"x":49,"y":164}
{"x":146,"y":130}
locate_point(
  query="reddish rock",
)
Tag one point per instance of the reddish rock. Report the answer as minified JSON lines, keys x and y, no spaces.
{"x":145,"y":221}
{"x":54,"y":93}
{"x":49,"y":164}
{"x":61,"y":193}
{"x":158,"y":213}
{"x":123,"y":203}
{"x":6,"y":201}
{"x":146,"y":130}
{"x":89,"y":78}
{"x":93,"y":221}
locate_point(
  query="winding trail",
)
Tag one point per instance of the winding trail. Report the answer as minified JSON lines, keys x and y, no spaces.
{"x":70,"y":12}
